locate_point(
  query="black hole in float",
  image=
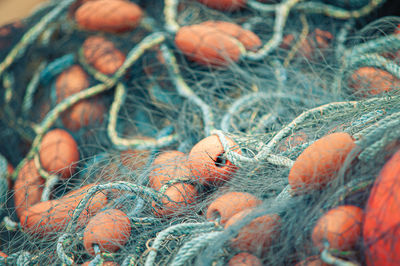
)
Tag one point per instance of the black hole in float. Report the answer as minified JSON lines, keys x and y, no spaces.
{"x":220,"y":161}
{"x":215,"y":216}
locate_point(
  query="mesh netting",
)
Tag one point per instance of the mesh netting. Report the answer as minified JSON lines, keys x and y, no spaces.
{"x":201,"y":132}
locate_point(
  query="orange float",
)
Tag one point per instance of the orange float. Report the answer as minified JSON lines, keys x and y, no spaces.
{"x":28,"y":187}
{"x":207,"y":46}
{"x":340,"y":227}
{"x":215,"y":43}
{"x":167,"y":166}
{"x":206,"y":162}
{"x":102,"y":55}
{"x":113,"y":16}
{"x":230,"y":203}
{"x":257,"y":236}
{"x":83,"y":114}
{"x":381,"y":232}
{"x":177,"y":199}
{"x":249,"y":40}
{"x":224,"y":5}
{"x":368,"y":81}
{"x":59,"y":153}
{"x":109,"y":229}
{"x":319,"y":163}
{"x":71,"y":81}
{"x":47,"y":218}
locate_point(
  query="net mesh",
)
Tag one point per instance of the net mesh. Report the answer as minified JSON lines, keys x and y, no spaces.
{"x":141,"y":135}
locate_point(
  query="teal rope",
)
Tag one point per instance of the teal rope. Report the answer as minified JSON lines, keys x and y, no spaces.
{"x":192,"y":248}
{"x":121,"y":185}
{"x":376,"y":137}
{"x":313,"y":7}
{"x":250,"y":100}
{"x":27,"y":103}
{"x":186,"y":228}
{"x":387,"y":43}
{"x":371,"y":134}
{"x":61,"y":252}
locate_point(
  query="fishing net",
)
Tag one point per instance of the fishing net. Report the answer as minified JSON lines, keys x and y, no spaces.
{"x":201,"y":132}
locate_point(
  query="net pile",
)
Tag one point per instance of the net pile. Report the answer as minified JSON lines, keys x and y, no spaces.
{"x":201,"y":132}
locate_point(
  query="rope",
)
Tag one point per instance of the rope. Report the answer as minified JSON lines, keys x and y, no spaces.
{"x":187,"y":228}
{"x":191,"y":248}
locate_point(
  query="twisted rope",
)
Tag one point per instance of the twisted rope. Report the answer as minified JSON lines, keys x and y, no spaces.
{"x":185,"y":91}
{"x":187,"y":228}
{"x":120,"y":185}
{"x":250,"y":100}
{"x":281,"y":14}
{"x":170,"y":12}
{"x":190,"y":249}
{"x":61,"y":252}
{"x":124,"y":143}
{"x":241,"y":161}
{"x":31,"y":89}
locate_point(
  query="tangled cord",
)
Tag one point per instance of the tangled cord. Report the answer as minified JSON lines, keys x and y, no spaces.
{"x":372,"y":139}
